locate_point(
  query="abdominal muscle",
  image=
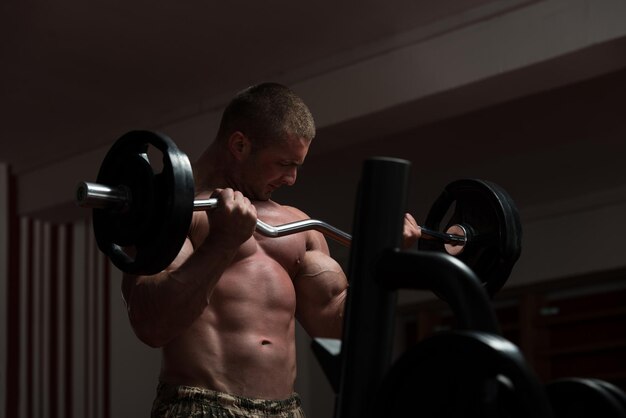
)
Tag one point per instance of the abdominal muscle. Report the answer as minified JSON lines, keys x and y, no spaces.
{"x":244,"y":342}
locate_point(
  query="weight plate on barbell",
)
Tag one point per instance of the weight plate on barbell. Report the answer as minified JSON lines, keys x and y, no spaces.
{"x":146,"y":236}
{"x":494,"y":231}
{"x":615,"y":392}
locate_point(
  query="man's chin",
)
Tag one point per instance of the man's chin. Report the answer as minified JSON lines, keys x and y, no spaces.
{"x":259,"y":196}
{"x":268,"y":194}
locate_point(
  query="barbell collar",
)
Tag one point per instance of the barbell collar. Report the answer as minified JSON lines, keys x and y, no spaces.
{"x":452,"y":239}
{"x":100,"y":196}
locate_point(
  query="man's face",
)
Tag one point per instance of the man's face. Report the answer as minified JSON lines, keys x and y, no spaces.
{"x":267,"y":169}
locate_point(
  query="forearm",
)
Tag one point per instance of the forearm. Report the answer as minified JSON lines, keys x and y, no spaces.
{"x":321,"y":290}
{"x":331,"y":322}
{"x":162,"y":306}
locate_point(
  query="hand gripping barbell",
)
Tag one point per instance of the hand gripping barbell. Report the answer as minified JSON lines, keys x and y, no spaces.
{"x":134,"y":206}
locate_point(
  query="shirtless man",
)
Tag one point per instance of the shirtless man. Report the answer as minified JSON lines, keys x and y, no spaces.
{"x":224,"y":311}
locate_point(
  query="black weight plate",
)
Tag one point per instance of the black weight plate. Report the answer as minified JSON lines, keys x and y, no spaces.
{"x":494,"y":229}
{"x":157,"y":219}
{"x":614,"y":391}
{"x":462,"y":374}
{"x":134,"y":172}
{"x":583,"y":398}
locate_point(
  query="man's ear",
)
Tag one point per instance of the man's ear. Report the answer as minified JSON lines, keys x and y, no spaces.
{"x":239,"y":145}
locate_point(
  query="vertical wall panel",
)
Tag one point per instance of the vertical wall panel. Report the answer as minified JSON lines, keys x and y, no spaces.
{"x":37,"y":368}
{"x":9,"y":294}
{"x":95,"y":281}
{"x":61,"y":321}
{"x":14,"y":315}
{"x":90,"y":331}
{"x":79,"y":348}
{"x":4,"y":255}
{"x":55,"y":317}
{"x":55,"y":321}
{"x":30,"y":318}
{"x":23,"y":323}
{"x":13,"y":303}
{"x":106,"y":338}
{"x":44,"y":320}
{"x":52,"y":327}
{"x":68,"y":312}
{"x":88,"y":302}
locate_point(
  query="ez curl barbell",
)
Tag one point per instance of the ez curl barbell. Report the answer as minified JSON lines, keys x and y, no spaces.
{"x":135,"y":206}
{"x":100,"y":196}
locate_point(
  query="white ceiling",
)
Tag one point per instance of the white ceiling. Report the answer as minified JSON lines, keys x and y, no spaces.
{"x":75,"y":73}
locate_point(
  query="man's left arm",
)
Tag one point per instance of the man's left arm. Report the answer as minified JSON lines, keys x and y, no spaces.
{"x":321,"y":287}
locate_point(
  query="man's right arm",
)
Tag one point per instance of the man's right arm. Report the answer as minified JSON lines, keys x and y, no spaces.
{"x":161,"y":306}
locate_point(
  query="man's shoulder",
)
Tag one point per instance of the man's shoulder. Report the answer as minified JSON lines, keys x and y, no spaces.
{"x":280,"y":213}
{"x":286,"y":209}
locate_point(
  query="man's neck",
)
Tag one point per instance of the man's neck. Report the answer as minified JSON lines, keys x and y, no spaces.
{"x":210,"y":171}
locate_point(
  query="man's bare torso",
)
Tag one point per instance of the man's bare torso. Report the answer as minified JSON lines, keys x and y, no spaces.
{"x":243,"y":343}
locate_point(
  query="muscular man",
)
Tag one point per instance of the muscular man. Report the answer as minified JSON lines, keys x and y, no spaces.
{"x":224,"y":311}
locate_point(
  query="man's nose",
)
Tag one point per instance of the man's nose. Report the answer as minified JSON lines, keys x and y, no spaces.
{"x":289,"y":178}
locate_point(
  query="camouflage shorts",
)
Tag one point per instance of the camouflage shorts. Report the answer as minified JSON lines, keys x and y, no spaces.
{"x":175,"y":401}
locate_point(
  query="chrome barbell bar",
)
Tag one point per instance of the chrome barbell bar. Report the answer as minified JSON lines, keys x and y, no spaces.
{"x":99,"y":196}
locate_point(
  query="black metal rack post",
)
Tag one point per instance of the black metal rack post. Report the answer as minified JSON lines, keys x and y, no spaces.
{"x":369,"y":313}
